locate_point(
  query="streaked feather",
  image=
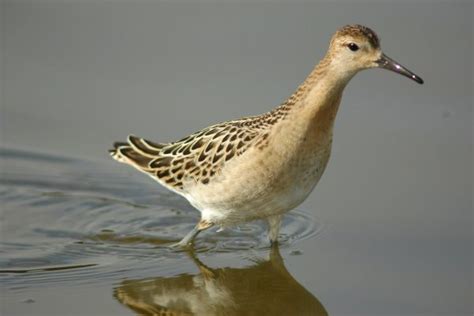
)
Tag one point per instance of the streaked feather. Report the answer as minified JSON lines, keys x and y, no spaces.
{"x":200,"y":156}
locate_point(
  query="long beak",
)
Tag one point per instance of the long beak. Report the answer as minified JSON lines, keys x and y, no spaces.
{"x":388,"y":63}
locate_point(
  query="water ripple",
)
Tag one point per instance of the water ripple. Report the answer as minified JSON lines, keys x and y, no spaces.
{"x":65,"y":219}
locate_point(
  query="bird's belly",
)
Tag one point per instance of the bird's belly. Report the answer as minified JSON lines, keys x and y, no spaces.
{"x":259,"y":188}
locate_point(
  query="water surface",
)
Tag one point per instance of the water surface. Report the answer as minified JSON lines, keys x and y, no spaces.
{"x":78,"y":224}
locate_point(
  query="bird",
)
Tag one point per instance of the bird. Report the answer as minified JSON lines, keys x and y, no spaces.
{"x":260,"y":167}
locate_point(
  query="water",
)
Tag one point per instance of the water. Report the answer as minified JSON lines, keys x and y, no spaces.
{"x":76,"y":231}
{"x":81,"y":224}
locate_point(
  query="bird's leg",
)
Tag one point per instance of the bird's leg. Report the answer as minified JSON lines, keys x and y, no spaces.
{"x":189,"y":238}
{"x":206,"y":272}
{"x":274,"y":223}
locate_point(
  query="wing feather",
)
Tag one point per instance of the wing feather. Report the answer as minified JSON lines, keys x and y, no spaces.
{"x":195,"y":158}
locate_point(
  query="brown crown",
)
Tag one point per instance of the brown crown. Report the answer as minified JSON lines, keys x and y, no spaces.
{"x":360,"y":30}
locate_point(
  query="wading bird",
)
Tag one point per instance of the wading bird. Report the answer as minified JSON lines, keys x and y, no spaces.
{"x":261,"y":167}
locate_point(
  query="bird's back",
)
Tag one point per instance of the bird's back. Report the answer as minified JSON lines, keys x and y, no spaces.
{"x":196,"y":159}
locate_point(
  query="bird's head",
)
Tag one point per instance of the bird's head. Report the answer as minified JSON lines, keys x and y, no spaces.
{"x":355,"y":47}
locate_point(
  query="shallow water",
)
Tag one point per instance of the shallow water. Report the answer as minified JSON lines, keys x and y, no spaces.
{"x":85,"y":237}
{"x":73,"y":223}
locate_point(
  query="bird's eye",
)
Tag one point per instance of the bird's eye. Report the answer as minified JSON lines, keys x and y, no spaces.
{"x":353,"y":47}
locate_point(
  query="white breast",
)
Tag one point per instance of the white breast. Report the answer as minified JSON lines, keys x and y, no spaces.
{"x":259,"y":184}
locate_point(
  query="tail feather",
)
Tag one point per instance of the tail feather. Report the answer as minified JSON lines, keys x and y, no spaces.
{"x":137,"y":152}
{"x":115,"y":152}
{"x":145,"y":147}
{"x":119,"y":144}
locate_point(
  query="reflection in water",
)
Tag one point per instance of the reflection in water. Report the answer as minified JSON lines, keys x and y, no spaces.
{"x":265,"y":288}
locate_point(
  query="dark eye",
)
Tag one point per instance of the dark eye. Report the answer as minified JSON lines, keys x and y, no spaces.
{"x":353,"y":47}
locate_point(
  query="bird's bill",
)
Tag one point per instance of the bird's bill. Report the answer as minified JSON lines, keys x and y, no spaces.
{"x":388,"y":63}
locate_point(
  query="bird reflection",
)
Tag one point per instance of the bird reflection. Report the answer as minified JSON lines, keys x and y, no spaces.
{"x":266,"y":288}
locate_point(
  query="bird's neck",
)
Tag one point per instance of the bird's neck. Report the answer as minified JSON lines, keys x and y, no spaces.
{"x":314,"y":105}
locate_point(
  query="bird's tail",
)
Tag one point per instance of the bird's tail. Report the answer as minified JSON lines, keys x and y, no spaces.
{"x":137,"y":152}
